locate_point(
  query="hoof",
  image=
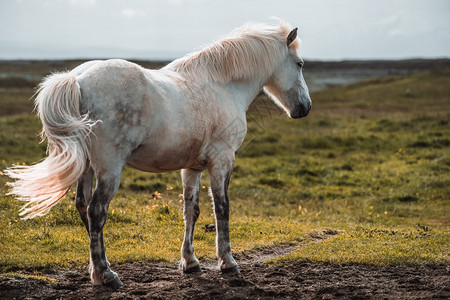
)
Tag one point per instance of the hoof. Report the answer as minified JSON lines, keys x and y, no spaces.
{"x":194,"y":270}
{"x":111,"y":280}
{"x":115,"y":283}
{"x":232,"y":270}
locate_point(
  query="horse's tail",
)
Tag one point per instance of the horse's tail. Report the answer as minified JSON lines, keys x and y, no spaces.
{"x":42,"y":185}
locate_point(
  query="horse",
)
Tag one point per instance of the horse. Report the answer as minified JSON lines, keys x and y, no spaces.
{"x":190,"y":115}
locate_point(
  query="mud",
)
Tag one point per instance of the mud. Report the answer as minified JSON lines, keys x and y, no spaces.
{"x":293,"y":280}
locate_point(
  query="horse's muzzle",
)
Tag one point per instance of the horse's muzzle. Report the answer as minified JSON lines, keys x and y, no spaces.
{"x":301,"y":110}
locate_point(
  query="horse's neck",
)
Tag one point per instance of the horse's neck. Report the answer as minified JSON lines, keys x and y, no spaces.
{"x":245,"y":92}
{"x":242,"y":92}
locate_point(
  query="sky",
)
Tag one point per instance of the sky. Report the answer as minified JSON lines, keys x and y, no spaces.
{"x":164,"y":30}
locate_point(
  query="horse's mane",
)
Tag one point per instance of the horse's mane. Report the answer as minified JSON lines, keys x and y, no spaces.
{"x":246,"y":53}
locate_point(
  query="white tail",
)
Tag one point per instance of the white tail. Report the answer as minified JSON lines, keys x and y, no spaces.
{"x":44,"y":184}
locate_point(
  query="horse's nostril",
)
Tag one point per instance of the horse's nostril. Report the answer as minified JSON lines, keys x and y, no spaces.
{"x":305,"y":111}
{"x":302,"y":110}
{"x":305,"y":108}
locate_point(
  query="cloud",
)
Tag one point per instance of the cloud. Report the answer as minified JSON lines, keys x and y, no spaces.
{"x":176,"y":2}
{"x":83,"y":2}
{"x":130,"y":13}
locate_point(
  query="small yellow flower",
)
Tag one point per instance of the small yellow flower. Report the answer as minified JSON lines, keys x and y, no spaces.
{"x":300,"y":207}
{"x":385,"y":212}
{"x":399,"y":152}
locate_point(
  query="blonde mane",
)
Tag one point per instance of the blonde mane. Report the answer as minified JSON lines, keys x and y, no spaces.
{"x":246,"y":53}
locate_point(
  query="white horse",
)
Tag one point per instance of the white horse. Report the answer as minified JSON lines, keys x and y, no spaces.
{"x":189,"y":115}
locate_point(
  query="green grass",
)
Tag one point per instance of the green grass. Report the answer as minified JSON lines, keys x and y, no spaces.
{"x":39,"y":277}
{"x":368,"y":245}
{"x":372,"y":160}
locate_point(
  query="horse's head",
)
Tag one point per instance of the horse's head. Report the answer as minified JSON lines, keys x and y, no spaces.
{"x":287,"y":85}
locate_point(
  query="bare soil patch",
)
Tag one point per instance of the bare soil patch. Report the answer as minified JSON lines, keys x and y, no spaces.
{"x":293,"y":280}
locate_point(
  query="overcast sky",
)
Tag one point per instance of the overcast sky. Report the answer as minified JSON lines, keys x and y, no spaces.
{"x":157,"y":29}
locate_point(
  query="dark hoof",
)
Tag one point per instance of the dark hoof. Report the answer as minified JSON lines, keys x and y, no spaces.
{"x":114,"y":283}
{"x":194,"y":270}
{"x":232,"y":270}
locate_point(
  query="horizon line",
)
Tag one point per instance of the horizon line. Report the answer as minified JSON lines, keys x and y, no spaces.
{"x":163,"y":60}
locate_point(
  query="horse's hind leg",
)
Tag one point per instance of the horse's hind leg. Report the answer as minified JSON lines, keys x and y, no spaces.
{"x":220,"y":172}
{"x":84,"y":195}
{"x":191,"y":189}
{"x":107,"y":185}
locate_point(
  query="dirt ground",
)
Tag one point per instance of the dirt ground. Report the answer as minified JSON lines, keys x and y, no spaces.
{"x":294,"y":280}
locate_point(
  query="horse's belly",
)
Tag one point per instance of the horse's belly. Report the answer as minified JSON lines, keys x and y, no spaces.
{"x":154,"y":159}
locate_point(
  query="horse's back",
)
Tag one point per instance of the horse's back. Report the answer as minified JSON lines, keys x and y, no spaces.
{"x":142,"y":113}
{"x":151,"y":119}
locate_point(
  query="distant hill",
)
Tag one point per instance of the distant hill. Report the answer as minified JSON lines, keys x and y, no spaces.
{"x":318,"y":74}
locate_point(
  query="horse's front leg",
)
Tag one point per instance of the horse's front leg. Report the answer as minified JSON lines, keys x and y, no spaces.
{"x":191,"y":189}
{"x":220,"y":173}
{"x":99,"y":269}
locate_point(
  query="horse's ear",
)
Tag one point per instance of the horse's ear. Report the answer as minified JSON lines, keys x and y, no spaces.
{"x":292,"y":36}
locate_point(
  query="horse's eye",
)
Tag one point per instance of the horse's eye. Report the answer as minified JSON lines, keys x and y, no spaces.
{"x":300,"y":64}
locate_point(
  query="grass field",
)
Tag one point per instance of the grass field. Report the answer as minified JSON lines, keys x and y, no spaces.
{"x":371,"y":162}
